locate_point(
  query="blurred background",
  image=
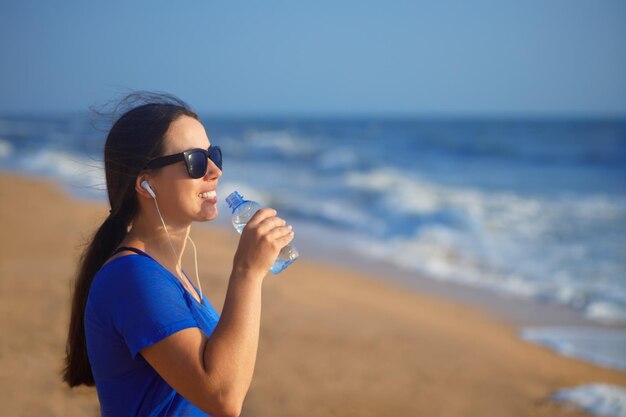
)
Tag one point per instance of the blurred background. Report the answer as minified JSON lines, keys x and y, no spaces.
{"x":480,"y":143}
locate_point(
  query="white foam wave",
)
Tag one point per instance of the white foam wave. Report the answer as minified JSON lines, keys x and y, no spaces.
{"x":605,"y":311}
{"x":337,"y":158}
{"x":6,"y":148}
{"x":84,"y":176}
{"x":438,"y":252}
{"x":280,"y":141}
{"x":338,"y":212}
{"x":411,"y":194}
{"x":401,"y":190}
{"x":599,"y":399}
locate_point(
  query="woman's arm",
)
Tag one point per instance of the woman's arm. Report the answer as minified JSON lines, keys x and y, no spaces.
{"x":215,"y":373}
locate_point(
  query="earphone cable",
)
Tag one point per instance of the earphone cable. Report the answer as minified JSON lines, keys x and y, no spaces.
{"x":174,"y":250}
{"x":195,"y":260}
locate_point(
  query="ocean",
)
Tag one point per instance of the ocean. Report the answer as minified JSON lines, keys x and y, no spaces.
{"x":530,"y":208}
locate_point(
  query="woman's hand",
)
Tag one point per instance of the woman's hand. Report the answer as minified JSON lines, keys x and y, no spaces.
{"x":261,"y":241}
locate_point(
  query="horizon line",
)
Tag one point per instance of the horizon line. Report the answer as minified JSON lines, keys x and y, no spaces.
{"x":503,"y":116}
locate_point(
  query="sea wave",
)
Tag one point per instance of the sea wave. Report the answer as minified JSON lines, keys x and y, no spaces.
{"x":598,"y":399}
{"x":84,"y":175}
{"x":550,"y":248}
{"x":6,"y":149}
{"x":553,"y":249}
{"x":278,"y":142}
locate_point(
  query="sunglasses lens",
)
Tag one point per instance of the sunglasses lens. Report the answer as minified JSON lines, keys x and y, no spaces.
{"x":215,"y":155}
{"x":197,"y":164}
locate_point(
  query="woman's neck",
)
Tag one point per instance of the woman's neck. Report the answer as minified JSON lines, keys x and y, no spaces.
{"x":153,"y":239}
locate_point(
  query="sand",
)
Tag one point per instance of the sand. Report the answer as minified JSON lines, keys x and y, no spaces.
{"x":334,"y":342}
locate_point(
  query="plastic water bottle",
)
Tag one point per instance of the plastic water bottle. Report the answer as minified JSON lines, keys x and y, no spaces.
{"x":243,"y":210}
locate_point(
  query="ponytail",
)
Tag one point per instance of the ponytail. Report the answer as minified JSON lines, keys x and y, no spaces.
{"x":105,"y":240}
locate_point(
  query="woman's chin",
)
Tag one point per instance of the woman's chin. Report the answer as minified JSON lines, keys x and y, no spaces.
{"x":208,"y":215}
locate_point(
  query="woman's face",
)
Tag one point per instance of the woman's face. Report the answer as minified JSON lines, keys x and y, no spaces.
{"x":183,"y":199}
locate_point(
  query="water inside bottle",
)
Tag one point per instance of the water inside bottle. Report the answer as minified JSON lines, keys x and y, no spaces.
{"x":281,"y":264}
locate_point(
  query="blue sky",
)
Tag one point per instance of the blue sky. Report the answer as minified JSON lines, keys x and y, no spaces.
{"x":536,"y":57}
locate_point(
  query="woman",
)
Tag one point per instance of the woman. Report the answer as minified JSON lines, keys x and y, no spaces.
{"x":139,"y":329}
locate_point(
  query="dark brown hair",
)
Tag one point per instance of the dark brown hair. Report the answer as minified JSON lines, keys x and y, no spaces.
{"x":135,"y":138}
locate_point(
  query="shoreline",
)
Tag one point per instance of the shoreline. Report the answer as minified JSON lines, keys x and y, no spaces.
{"x":512,"y":309}
{"x":334,"y":340}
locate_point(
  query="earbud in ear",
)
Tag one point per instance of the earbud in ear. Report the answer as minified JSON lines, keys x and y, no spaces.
{"x":146,"y":186}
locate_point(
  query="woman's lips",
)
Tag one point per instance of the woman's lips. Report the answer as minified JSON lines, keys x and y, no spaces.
{"x":208,"y":194}
{"x":209,"y":197}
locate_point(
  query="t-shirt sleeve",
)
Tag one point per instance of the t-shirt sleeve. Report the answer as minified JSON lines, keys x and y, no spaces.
{"x":148,"y":304}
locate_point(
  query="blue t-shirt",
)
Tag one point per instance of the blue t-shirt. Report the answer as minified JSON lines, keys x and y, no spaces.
{"x":133,"y":303}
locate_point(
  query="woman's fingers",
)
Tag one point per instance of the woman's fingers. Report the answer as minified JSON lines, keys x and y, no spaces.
{"x":261,"y":215}
{"x":269,"y":224}
{"x":274,"y":232}
{"x":280,"y":232}
{"x":264,"y":221}
{"x":284,"y":239}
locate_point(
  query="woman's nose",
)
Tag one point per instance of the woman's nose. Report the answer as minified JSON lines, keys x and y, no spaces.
{"x":212,"y":172}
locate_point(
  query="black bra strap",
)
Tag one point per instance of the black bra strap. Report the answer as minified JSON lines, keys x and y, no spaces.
{"x":142,"y":253}
{"x":130,"y":248}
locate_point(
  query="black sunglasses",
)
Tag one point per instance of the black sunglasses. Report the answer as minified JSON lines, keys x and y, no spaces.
{"x":195,"y":159}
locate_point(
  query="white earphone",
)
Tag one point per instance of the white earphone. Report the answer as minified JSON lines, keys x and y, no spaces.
{"x":146,"y":186}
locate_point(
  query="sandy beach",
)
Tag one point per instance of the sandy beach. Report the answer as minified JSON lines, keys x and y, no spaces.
{"x":334,"y":342}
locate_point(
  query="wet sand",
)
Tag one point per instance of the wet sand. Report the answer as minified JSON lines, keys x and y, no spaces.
{"x":334,"y":341}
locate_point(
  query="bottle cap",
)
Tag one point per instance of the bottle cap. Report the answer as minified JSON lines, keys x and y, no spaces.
{"x":234,"y":200}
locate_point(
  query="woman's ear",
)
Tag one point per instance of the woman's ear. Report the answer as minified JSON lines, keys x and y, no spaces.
{"x":143,"y":187}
